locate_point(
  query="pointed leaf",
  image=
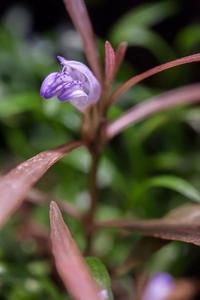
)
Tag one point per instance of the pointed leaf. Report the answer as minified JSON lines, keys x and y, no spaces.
{"x":181,"y":224}
{"x":145,"y":38}
{"x":146,"y":15}
{"x":69,"y":261}
{"x":109,"y":62}
{"x":119,"y":55}
{"x":134,"y":27}
{"x":185,"y":95}
{"x":15,"y":185}
{"x":134,"y":80}
{"x":101,"y":276}
{"x":79,"y":15}
{"x":175,"y":183}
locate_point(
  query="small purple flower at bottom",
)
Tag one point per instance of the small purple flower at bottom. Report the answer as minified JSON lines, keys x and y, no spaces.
{"x":159,"y":287}
{"x":75,"y":83}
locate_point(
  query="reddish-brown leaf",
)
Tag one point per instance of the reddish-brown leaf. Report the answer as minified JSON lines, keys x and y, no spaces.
{"x":119,"y":55}
{"x":109,"y":62}
{"x":185,"y":95}
{"x":69,"y":261}
{"x":15,"y":185}
{"x":134,"y":80}
{"x":182,"y":224}
{"x":79,"y":15}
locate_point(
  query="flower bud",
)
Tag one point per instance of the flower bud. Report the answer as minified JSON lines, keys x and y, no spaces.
{"x":75,"y":84}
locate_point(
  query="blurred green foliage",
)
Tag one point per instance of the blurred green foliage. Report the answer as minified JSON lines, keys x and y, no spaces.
{"x":136,"y":168}
{"x":136,"y":28}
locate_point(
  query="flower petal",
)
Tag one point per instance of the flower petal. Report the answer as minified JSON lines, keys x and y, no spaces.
{"x":46,"y":90}
{"x":75,"y":83}
{"x":159,"y":287}
{"x":80,"y":100}
{"x":67,"y":89}
{"x":53,"y":84}
{"x":94,"y":88}
{"x":76,"y":96}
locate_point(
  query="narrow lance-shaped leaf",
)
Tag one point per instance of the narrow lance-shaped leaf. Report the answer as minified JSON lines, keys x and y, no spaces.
{"x":119,"y":55}
{"x":135,"y":27}
{"x":182,"y":224}
{"x":69,"y":261}
{"x":134,"y":80}
{"x":146,"y":14}
{"x":101,"y":276}
{"x":174,"y":183}
{"x":185,"y":95}
{"x":109,"y":63}
{"x":79,"y":15}
{"x":113,"y":61}
{"x":15,"y":185}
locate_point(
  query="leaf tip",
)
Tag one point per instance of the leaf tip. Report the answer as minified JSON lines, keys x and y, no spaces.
{"x":107,"y":43}
{"x":124,"y":44}
{"x":53,"y":206}
{"x":54,"y":211}
{"x":109,"y":48}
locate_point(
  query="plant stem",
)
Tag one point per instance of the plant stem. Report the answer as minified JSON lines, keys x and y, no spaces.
{"x":93,"y":185}
{"x":90,"y":217}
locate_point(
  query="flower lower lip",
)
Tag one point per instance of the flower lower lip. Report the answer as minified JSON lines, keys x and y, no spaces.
{"x":66,"y":90}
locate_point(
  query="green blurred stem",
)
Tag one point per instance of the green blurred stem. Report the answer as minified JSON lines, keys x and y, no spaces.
{"x":93,"y":190}
{"x":93,"y":186}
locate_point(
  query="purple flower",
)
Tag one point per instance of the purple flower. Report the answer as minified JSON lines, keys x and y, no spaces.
{"x":75,"y":83}
{"x":159,"y":287}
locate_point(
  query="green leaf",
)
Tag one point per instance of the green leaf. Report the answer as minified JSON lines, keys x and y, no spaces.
{"x":149,"y":126}
{"x":176,"y":184}
{"x":143,"y":37}
{"x":148,"y":14}
{"x":189,"y":38}
{"x":100,"y":274}
{"x":18,"y":104}
{"x":134,"y":27}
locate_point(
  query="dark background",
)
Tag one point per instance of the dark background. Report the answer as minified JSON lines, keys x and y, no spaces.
{"x":103,"y":13}
{"x":48,"y":14}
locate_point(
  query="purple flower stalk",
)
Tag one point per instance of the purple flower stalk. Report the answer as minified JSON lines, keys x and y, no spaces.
{"x":159,"y":287}
{"x":75,"y":83}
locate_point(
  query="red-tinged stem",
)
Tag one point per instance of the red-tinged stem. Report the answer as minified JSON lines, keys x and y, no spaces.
{"x":184,"y":95}
{"x":134,"y":80}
